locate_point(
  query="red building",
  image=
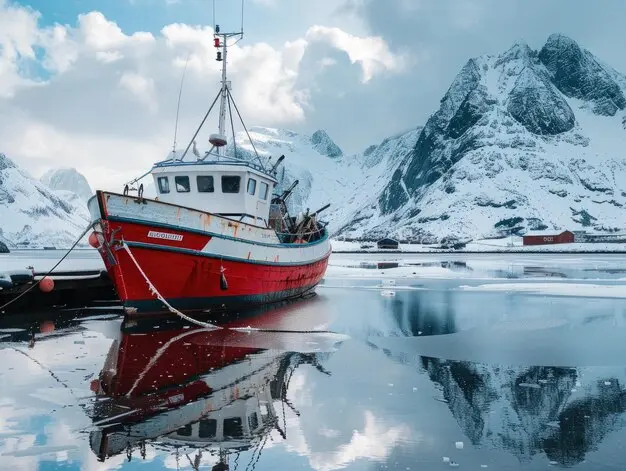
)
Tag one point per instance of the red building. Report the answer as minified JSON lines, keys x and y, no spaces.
{"x":548,"y":237}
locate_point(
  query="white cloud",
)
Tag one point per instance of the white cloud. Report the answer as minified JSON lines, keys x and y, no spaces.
{"x":372,"y":53}
{"x":106,"y":104}
{"x":140,"y":88}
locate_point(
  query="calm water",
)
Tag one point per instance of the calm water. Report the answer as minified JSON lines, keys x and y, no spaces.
{"x":430,"y":377}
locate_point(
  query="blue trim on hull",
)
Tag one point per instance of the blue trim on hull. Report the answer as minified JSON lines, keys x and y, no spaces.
{"x":221,"y":306}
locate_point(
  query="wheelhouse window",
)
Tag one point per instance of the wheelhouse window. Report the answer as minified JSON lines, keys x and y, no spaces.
{"x":208,"y":428}
{"x":253,"y":421}
{"x":263,"y":191}
{"x":230,"y":184}
{"x":164,"y":185}
{"x":233,"y":427}
{"x":251,"y":186}
{"x":205,"y":183}
{"x":182,"y":184}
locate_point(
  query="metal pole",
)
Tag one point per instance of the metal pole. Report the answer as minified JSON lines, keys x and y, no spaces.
{"x":222,"y":119}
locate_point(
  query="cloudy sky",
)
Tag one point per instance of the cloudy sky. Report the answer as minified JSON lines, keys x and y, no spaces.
{"x":93,"y":84}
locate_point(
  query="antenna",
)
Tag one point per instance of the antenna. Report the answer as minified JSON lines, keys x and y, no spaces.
{"x":180,"y":92}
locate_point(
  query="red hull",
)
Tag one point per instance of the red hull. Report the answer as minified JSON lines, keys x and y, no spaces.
{"x":190,"y":279}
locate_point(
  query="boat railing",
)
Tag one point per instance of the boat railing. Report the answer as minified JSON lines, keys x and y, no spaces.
{"x":221,"y":160}
{"x":286,"y":237}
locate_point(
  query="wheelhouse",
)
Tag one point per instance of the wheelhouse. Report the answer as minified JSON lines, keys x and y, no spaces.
{"x":238,"y":190}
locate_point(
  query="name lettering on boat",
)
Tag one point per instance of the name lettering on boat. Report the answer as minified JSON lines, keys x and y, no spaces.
{"x":165,"y":235}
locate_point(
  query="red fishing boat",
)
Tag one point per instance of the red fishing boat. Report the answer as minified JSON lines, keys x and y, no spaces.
{"x":218,"y":233}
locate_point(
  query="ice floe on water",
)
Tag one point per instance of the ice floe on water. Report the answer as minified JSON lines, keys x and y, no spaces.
{"x":555,"y":289}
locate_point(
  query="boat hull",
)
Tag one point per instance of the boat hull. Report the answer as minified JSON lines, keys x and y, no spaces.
{"x":196,"y":270}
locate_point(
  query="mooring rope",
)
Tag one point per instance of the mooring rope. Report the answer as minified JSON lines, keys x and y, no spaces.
{"x":49,"y":272}
{"x":155,"y":292}
{"x":208,"y":326}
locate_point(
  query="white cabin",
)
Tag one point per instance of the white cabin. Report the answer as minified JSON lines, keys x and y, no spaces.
{"x":235,"y":189}
{"x":231,"y":426}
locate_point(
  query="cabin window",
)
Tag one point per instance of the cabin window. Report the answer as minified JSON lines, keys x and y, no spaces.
{"x":164,"y":184}
{"x":253,"y":421}
{"x":263,"y":191}
{"x":208,"y":428}
{"x":251,"y":186}
{"x":230,"y":184}
{"x":184,"y":431}
{"x":182,"y":184}
{"x":205,"y":184}
{"x":233,"y":428}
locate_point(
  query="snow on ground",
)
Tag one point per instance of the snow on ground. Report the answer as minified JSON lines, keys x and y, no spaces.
{"x":555,"y":289}
{"x":339,"y":271}
{"x":43,"y":260}
{"x":508,"y":244}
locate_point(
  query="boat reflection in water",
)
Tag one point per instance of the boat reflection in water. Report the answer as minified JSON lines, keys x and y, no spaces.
{"x":192,"y":390}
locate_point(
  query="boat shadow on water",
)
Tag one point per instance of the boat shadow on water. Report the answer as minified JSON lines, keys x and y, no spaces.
{"x":203,"y":395}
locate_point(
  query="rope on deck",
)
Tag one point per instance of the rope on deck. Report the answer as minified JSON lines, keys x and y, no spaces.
{"x":155,"y":292}
{"x":49,"y":272}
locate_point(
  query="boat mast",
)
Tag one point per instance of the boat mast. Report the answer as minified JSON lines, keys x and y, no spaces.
{"x":222,"y":118}
{"x":220,"y":41}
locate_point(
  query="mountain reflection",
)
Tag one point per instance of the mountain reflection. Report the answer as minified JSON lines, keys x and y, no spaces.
{"x":560,"y":413}
{"x":202,"y":395}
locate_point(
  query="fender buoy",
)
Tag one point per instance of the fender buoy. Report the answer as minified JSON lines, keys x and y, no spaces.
{"x":93,"y":240}
{"x":46,"y":284}
{"x":46,"y":326}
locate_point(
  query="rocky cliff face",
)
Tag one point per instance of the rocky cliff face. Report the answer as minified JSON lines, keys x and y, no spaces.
{"x":522,"y":140}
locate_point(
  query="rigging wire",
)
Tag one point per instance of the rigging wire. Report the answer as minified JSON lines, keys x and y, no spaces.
{"x":201,"y":124}
{"x":232,"y":127}
{"x":242,"y":17}
{"x":246,"y":129}
{"x":34,"y":285}
{"x":180,"y":92}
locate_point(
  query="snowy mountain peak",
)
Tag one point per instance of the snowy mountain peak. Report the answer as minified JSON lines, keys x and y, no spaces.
{"x":33,"y":214}
{"x":325,"y":145}
{"x":67,"y":179}
{"x":579,"y":74}
{"x":5,"y":162}
{"x":522,"y":140}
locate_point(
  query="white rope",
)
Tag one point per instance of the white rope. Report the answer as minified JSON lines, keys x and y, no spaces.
{"x":154,"y":291}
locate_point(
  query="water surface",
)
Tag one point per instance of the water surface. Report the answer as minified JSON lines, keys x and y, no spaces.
{"x":420,"y":374}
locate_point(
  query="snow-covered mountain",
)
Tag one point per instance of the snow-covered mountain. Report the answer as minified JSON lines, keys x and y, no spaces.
{"x":31,"y":214}
{"x":68,"y":179}
{"x":522,"y":140}
{"x":324,"y":172}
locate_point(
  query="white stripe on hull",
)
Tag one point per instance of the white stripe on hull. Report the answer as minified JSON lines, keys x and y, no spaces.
{"x":262,"y":253}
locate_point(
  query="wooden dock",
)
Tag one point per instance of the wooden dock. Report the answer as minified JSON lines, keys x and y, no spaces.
{"x":79,"y":281}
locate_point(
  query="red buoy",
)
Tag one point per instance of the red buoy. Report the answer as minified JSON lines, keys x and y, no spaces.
{"x":93,"y":240}
{"x":46,"y":326}
{"x":46,"y":284}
